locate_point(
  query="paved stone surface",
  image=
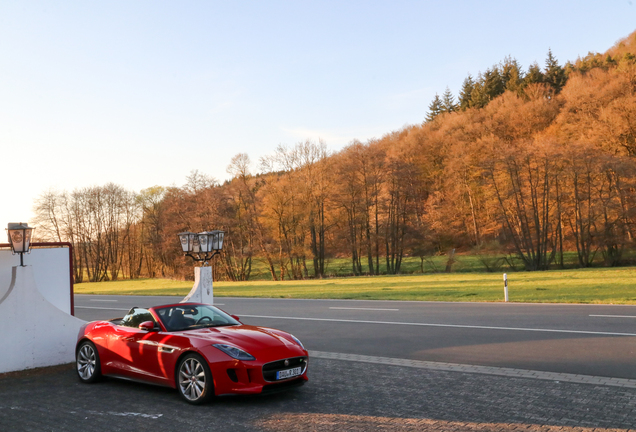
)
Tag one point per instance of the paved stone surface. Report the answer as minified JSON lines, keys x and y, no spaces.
{"x":488,"y":370}
{"x":341,"y":396}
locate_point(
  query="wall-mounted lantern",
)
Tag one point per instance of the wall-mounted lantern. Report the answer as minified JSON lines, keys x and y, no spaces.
{"x":20,"y":238}
{"x":202,"y":246}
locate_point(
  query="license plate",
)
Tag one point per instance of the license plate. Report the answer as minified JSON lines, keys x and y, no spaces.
{"x":288,"y":373}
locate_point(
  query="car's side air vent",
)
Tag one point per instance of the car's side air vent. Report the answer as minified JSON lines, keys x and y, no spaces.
{"x":232,"y":374}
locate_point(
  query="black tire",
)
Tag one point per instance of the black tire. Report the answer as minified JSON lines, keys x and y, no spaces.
{"x":194,"y":379}
{"x":87,"y":365}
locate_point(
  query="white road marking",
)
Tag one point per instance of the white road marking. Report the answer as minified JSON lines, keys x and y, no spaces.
{"x":104,"y":300}
{"x":109,"y":308}
{"x":614,"y":316}
{"x":371,"y":309}
{"x":126,"y":414}
{"x":112,"y":413}
{"x":445,"y":325}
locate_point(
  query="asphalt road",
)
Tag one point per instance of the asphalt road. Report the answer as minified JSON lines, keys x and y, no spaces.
{"x":349,"y":393}
{"x":597,"y":340}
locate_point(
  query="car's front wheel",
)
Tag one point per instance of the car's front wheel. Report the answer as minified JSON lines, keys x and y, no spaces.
{"x":87,"y":362}
{"x":194,"y":379}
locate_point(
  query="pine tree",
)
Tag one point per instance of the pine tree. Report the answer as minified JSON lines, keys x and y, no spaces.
{"x":554,"y":73}
{"x":478,"y":97}
{"x":512,"y":75}
{"x":534,"y":75}
{"x":448,"y":102}
{"x":435,"y":108}
{"x":493,"y":83}
{"x":465,"y":93}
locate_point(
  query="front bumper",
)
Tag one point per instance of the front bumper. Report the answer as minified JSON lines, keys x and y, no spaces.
{"x":254,"y":377}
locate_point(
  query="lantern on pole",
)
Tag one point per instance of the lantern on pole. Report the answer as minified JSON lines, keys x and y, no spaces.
{"x":201,"y":246}
{"x":20,"y":239}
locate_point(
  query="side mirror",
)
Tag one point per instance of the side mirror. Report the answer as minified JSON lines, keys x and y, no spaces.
{"x":147,"y":326}
{"x":236,"y":318}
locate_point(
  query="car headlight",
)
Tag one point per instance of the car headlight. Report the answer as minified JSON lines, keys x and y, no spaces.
{"x":234,"y":352}
{"x":297,"y":341}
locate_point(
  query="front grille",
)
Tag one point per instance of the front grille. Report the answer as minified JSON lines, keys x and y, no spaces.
{"x":270,"y":369}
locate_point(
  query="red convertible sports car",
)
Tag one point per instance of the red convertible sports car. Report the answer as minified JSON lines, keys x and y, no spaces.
{"x":196,"y":348}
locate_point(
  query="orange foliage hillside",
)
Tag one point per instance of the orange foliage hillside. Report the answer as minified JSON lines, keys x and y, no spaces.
{"x":526,"y":167}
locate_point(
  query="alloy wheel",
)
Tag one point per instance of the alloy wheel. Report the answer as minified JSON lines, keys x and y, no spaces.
{"x":86,"y":361}
{"x":192,"y":380}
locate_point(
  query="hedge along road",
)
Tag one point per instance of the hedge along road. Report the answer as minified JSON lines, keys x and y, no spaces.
{"x":596,"y":340}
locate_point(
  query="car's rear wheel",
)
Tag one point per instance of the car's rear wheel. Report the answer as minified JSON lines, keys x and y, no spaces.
{"x":87,"y":362}
{"x":194,"y":379}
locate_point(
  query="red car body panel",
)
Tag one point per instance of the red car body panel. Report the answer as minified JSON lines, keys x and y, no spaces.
{"x":153,"y":356}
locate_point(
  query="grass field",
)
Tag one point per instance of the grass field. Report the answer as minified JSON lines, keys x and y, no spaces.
{"x":604,"y":285}
{"x":464,"y":263}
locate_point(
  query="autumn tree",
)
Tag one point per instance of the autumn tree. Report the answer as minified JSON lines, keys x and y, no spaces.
{"x":152,"y":230}
{"x":299,"y":209}
{"x":361,"y":171}
{"x":522,"y":180}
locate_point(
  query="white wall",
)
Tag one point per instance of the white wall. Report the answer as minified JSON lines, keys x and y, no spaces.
{"x":50,"y":270}
{"x":33,"y":332}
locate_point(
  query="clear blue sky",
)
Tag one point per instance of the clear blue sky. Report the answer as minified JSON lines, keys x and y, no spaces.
{"x":140,"y":93}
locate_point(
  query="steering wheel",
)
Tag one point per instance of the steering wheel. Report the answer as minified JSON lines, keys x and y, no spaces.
{"x":203,"y":319}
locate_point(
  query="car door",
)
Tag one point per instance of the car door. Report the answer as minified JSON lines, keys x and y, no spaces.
{"x":136,"y":351}
{"x":148,"y":354}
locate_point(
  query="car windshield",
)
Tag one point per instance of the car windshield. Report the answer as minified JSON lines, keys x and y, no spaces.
{"x":135,"y":317}
{"x":186,"y":317}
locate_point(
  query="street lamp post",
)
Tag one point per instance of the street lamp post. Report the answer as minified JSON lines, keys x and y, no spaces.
{"x":201,"y":247}
{"x":20,"y":239}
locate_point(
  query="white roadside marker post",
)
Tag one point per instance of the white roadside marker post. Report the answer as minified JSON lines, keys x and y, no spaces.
{"x":506,"y":287}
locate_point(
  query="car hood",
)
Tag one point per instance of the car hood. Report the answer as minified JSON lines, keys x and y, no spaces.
{"x":249,"y":338}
